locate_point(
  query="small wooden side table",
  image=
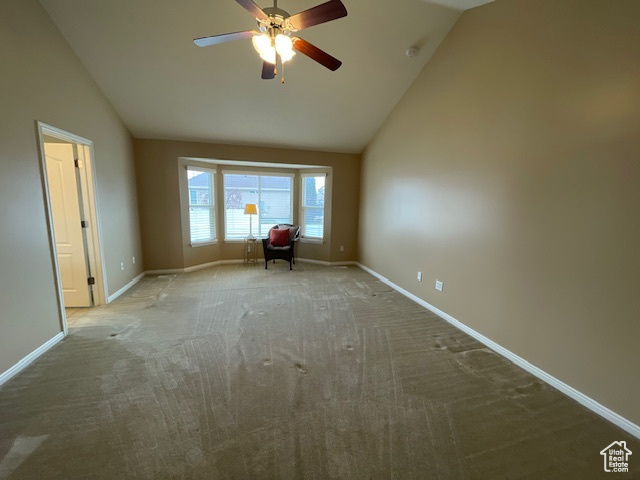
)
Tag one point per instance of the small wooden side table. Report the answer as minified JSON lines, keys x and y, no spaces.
{"x":250,"y":250}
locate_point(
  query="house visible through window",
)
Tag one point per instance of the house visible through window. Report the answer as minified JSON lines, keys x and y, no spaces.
{"x":202,"y":216}
{"x":312,"y":208}
{"x":272,"y":194}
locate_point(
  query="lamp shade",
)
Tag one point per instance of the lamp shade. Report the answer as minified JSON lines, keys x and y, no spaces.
{"x":250,"y":209}
{"x":262,"y":44}
{"x":284,"y":47}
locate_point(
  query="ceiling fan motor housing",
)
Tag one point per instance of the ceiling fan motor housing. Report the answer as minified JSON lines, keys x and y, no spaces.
{"x":276,"y":12}
{"x":276,"y":23}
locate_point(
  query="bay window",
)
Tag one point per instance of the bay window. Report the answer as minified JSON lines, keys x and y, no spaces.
{"x":273,"y":195}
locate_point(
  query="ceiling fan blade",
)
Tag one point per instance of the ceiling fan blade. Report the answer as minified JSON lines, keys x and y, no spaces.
{"x":325,"y":12}
{"x":316,"y":54}
{"x":268,"y":71}
{"x":225,"y":37}
{"x":253,"y":9}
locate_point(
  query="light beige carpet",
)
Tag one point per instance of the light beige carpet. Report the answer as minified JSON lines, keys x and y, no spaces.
{"x":240,"y":373}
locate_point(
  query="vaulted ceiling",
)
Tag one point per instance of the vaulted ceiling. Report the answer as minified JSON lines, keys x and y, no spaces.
{"x":141,"y":54}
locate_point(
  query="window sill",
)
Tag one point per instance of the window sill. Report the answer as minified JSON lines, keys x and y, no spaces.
{"x":317,"y":241}
{"x":203,"y":244}
{"x":241,"y":240}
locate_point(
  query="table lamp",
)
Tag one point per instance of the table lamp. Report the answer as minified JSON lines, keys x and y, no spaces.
{"x":250,"y":209}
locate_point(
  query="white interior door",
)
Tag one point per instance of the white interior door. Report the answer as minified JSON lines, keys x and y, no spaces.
{"x":65,"y":210}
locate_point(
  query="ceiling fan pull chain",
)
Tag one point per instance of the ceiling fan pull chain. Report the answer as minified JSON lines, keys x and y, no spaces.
{"x":282,"y":81}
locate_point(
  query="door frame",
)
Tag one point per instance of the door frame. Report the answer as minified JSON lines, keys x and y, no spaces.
{"x":88,"y":189}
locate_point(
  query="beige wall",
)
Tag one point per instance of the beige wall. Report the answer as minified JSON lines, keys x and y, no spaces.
{"x":510,"y":170}
{"x":43,"y":80}
{"x":163,"y":218}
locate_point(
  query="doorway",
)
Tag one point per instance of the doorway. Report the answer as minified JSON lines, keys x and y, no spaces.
{"x":74,"y":231}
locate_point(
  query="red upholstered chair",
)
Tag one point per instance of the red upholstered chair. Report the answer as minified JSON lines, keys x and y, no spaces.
{"x":285,"y":249}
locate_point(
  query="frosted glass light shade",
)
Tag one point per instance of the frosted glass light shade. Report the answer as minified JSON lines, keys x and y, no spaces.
{"x":284,"y":47}
{"x":283,"y":44}
{"x":262,"y":45}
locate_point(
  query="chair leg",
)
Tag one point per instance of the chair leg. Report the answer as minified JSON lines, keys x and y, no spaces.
{"x":266,"y":264}
{"x":290,"y":267}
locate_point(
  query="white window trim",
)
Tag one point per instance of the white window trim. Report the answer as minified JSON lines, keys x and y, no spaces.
{"x":314,"y":240}
{"x":253,"y":173}
{"x":213,"y":207}
{"x":303,"y":238}
{"x":203,"y":244}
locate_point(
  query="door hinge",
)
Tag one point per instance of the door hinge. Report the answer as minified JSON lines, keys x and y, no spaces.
{"x":91,"y":281}
{"x":84,"y":224}
{"x":76,"y":162}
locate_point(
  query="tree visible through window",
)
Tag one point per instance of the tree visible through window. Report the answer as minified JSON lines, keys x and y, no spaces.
{"x":202,"y":217}
{"x":313,"y":206}
{"x":271,"y":193}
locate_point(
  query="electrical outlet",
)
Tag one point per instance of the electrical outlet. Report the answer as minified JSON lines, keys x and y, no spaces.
{"x":439,"y":285}
{"x":133,"y":260}
{"x":419,"y":276}
{"x":121,"y":265}
{"x":342,"y":248}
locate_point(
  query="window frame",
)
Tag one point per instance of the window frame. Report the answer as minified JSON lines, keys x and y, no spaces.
{"x":303,"y":235}
{"x":258,"y":174}
{"x":213,"y":215}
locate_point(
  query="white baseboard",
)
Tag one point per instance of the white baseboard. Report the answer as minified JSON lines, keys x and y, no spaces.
{"x":125,"y":288}
{"x":26,"y":361}
{"x":211,"y":264}
{"x":202,"y":266}
{"x":627,"y":425}
{"x":171,"y":271}
{"x":232,"y":262}
{"x":326,"y":264}
{"x":315,"y":262}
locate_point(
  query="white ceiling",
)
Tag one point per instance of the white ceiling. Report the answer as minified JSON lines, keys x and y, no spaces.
{"x":141,"y":54}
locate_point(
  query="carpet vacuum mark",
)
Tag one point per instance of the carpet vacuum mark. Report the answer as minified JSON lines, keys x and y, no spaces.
{"x":235,"y":372}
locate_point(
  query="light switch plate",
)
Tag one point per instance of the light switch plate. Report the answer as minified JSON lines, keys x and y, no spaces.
{"x":439,"y":285}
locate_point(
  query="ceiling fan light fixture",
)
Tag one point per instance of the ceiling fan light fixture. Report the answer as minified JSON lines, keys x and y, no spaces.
{"x":284,"y":47}
{"x":273,"y":39}
{"x":285,"y":57}
{"x":264,"y":47}
{"x":261,"y":43}
{"x":269,"y":56}
{"x":283,"y":44}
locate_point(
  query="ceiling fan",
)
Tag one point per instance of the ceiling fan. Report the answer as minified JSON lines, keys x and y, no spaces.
{"x":274,"y":41}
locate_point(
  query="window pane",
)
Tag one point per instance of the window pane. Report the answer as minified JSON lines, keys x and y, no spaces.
{"x":313,"y":222}
{"x":272,"y":195}
{"x":238,"y":191}
{"x":313,"y":191}
{"x":313,"y":206}
{"x":201,"y":205}
{"x":202,"y":224}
